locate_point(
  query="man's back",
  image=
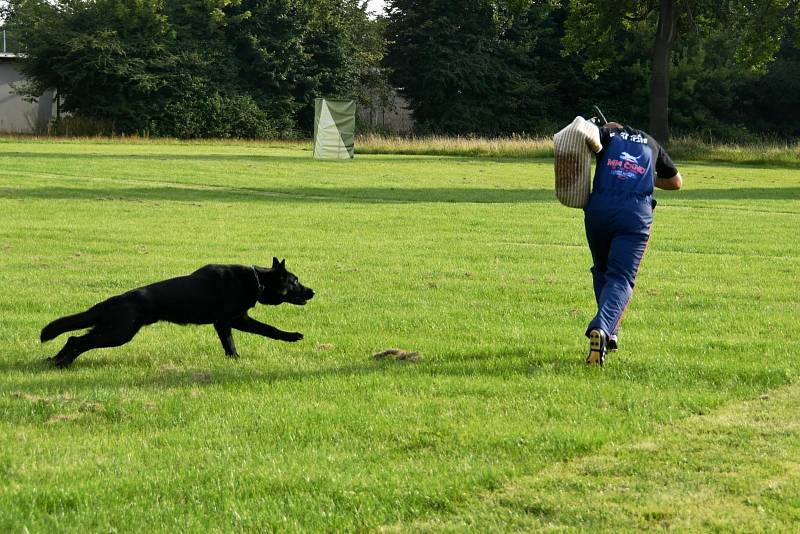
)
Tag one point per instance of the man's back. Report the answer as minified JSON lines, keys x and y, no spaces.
{"x":629,"y":162}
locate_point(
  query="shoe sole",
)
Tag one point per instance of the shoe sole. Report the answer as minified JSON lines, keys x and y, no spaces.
{"x":594,"y":348}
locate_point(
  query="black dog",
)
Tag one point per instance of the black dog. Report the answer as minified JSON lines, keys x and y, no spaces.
{"x":214,"y":294}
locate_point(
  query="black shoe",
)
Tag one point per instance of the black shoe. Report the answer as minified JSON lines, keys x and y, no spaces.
{"x":598,"y":347}
{"x":613,"y":343}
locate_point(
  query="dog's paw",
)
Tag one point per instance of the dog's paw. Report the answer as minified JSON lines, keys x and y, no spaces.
{"x":293,"y":336}
{"x":233,"y":355}
{"x":61,"y":363}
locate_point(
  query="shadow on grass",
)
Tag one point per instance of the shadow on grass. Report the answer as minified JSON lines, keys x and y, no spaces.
{"x":366,"y":195}
{"x":90,"y":371}
{"x":250,"y":154}
{"x":749,"y":193}
{"x":109,"y":370}
{"x":156,"y":157}
{"x":696,"y":388}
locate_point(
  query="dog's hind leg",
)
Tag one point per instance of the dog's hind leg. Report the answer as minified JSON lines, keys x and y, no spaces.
{"x":67,"y":353}
{"x":107,"y":334}
{"x":226,"y":337}
{"x":248,"y":324}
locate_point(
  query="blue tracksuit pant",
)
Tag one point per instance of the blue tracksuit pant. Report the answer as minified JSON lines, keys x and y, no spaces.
{"x":618,"y":230}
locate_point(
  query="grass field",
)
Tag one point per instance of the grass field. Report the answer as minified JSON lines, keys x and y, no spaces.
{"x":694,"y":424}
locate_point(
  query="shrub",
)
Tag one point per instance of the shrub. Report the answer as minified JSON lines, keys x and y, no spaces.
{"x":216,"y":116}
{"x":79,"y":126}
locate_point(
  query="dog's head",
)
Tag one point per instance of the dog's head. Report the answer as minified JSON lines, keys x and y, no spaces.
{"x":279,"y":286}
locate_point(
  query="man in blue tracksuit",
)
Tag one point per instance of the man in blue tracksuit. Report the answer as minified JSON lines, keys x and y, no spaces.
{"x":617,"y":219}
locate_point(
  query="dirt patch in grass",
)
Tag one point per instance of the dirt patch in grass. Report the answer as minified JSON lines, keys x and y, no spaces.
{"x":187,"y":375}
{"x":63,"y":418}
{"x":398,"y":355}
{"x":52,"y":399}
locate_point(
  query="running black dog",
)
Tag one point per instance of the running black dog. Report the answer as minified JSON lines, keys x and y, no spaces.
{"x":214,"y":294}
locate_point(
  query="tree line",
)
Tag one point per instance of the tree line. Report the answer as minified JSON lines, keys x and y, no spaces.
{"x":251,"y":68}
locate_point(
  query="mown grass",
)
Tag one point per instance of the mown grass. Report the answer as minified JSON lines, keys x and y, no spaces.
{"x":469,"y":261}
{"x":735,"y":469}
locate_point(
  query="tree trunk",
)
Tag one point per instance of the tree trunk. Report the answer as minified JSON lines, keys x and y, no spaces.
{"x":662,"y":61}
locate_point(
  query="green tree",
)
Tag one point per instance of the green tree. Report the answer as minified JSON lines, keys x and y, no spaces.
{"x":106,"y":59}
{"x":752,"y":30}
{"x":772,"y":103}
{"x":470,"y":66}
{"x":289,"y":52}
{"x":192,"y":68}
{"x":372,"y":87}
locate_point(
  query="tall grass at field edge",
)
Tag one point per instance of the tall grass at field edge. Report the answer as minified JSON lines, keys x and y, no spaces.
{"x":759,"y":153}
{"x":517,"y":146}
{"x":7,"y":138}
{"x":683,"y":148}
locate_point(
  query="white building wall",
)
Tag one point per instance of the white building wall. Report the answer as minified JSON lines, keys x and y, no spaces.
{"x":17,"y":115}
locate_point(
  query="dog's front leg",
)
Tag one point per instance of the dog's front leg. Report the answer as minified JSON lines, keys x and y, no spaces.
{"x":226,"y":337}
{"x":248,"y":324}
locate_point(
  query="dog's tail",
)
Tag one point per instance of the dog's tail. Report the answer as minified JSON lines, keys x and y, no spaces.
{"x":69,"y":323}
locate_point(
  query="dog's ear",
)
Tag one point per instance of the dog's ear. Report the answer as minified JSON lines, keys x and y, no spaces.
{"x":275,"y":263}
{"x":283,"y":264}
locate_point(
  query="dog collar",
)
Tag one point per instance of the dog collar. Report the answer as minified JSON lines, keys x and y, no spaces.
{"x":258,"y":281}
